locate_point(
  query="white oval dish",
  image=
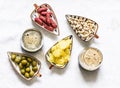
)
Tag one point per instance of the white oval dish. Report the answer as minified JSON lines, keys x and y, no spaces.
{"x":85,"y":28}
{"x":32,"y":40}
{"x":35,"y":14}
{"x":90,"y":59}
{"x":16,"y":67}
{"x":49,"y":53}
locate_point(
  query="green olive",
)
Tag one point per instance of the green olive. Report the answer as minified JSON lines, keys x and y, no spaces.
{"x":17,"y":59}
{"x":27,"y":69}
{"x":20,"y":66}
{"x":34,"y":63}
{"x":13,"y":56}
{"x":22,"y":71}
{"x":35,"y":68}
{"x":27,"y":75}
{"x":29,"y":59}
{"x":32,"y":73}
{"x":24,"y":62}
{"x":23,"y":58}
{"x":28,"y":64}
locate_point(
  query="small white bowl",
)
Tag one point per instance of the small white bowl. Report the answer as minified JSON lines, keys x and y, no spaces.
{"x":32,"y":40}
{"x":90,"y":59}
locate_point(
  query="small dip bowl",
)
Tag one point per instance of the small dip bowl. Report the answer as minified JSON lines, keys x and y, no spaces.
{"x":32,"y":40}
{"x":90,"y":59}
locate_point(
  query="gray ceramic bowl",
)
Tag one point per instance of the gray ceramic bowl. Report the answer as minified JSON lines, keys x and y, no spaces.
{"x":90,"y":59}
{"x":29,"y":45}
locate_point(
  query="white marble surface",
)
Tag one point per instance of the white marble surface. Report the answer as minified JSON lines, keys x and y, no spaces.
{"x":15,"y":19}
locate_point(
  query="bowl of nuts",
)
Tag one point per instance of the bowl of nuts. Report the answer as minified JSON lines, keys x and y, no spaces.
{"x":84,"y":28}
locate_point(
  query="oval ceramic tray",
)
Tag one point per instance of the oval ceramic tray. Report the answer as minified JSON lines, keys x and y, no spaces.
{"x":84,"y":28}
{"x":16,"y":68}
{"x":48,"y":52}
{"x":35,"y":14}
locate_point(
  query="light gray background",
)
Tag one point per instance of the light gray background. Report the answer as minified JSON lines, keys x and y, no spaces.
{"x":15,"y":19}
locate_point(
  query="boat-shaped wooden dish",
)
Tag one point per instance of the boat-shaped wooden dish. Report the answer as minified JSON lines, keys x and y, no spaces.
{"x":84,"y":28}
{"x":59,"y":54}
{"x":16,"y":66}
{"x":35,"y":14}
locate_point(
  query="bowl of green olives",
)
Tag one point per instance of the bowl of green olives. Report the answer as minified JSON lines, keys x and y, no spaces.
{"x":25,"y":65}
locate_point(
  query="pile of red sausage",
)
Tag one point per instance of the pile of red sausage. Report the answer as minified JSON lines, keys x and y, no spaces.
{"x":45,"y":19}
